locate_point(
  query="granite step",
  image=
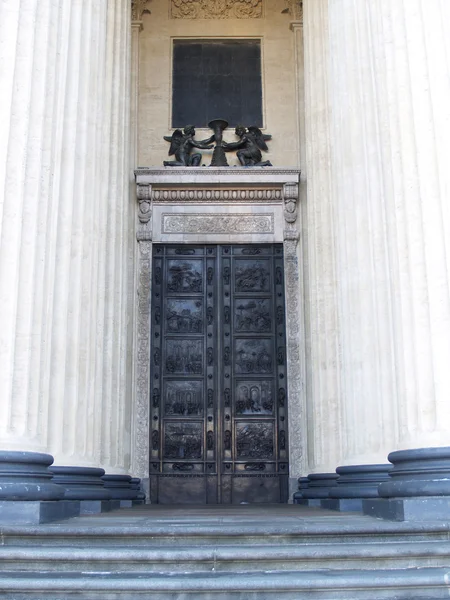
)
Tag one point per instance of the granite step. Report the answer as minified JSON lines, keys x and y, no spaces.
{"x":283,"y":553}
{"x":227,"y":558}
{"x":395,"y":584}
{"x":96,"y":533}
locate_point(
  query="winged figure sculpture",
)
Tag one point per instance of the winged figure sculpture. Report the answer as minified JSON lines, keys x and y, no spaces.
{"x":182,"y":144}
{"x":251,"y":142}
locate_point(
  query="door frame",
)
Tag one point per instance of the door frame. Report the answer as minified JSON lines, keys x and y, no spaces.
{"x":251,"y":206}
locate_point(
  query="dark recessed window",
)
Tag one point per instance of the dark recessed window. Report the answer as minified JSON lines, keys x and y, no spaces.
{"x":217,"y":79}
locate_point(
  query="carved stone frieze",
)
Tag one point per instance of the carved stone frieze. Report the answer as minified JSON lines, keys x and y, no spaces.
{"x":216,"y":195}
{"x":217,"y":223}
{"x":216,"y":9}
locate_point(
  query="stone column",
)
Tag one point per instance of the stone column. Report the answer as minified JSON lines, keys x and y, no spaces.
{"x":63,"y":237}
{"x":391,"y":194}
{"x":321,"y":314}
{"x":386,"y":140}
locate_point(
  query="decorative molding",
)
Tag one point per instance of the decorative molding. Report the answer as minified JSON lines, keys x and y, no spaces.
{"x":294,"y":300}
{"x":182,"y":195}
{"x":217,"y":223}
{"x":144,"y":200}
{"x":250,"y":185}
{"x":216,"y":9}
{"x":138,"y":9}
{"x":290,"y":194}
{"x":142,"y":409}
{"x":213,"y":175}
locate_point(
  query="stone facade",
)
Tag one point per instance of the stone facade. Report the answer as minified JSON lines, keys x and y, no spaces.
{"x":86,"y":91}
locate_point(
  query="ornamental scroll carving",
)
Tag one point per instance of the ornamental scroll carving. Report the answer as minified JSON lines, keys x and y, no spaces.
{"x":216,"y":9}
{"x":290,"y":202}
{"x":217,"y":223}
{"x":144,"y":199}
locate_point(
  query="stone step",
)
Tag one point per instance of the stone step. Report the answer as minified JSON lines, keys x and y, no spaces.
{"x":395,"y":584}
{"x":228,"y":558}
{"x":322,"y":531}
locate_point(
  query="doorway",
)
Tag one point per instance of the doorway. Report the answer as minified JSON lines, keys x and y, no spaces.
{"x":218,"y":375}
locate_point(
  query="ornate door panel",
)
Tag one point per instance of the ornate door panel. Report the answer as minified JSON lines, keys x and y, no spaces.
{"x":218,"y":393}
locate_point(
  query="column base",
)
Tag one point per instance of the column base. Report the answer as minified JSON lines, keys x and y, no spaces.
{"x":94,"y":507}
{"x":343,"y":504}
{"x":308,"y":502}
{"x":37,"y":512}
{"x":422,"y":508}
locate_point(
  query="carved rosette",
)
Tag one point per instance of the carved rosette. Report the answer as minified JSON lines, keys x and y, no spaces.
{"x":216,"y":9}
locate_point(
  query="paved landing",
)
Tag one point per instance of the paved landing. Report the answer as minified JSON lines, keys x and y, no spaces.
{"x":213,"y":514}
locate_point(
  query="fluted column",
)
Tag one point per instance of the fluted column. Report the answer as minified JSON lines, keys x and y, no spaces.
{"x":31,"y":34}
{"x":362,"y":235}
{"x":388,"y":146}
{"x":392,"y":183}
{"x":322,"y":329}
{"x":64,"y":245}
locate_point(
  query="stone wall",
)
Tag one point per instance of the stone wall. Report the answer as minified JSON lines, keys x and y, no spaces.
{"x":65,"y":221}
{"x":269,"y":23}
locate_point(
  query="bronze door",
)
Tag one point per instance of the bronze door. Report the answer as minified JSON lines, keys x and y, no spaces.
{"x":218,"y":376}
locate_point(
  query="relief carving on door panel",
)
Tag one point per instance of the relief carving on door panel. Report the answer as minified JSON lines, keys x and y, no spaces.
{"x":184,"y":357}
{"x":252,"y":316}
{"x":252,"y":276}
{"x":255,"y":440}
{"x":184,"y":315}
{"x":183,"y":441}
{"x":254,"y":397}
{"x":183,"y":398}
{"x":253,"y":356}
{"x":218,"y":394}
{"x":184,"y":276}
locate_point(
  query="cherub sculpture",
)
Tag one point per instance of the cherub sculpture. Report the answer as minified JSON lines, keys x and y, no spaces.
{"x":251,"y":142}
{"x":181,"y":144}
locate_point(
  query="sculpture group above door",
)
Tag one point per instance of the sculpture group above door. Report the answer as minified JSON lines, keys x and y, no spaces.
{"x":218,"y":375}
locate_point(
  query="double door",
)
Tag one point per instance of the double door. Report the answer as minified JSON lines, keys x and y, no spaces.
{"x":218,"y":375}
